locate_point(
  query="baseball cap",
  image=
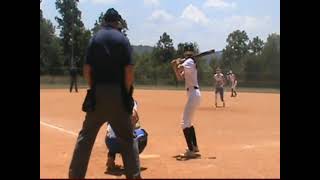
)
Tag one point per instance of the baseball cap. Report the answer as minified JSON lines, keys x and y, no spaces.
{"x":112,"y":15}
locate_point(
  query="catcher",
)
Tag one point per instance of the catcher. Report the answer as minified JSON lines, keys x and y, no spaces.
{"x":112,"y":142}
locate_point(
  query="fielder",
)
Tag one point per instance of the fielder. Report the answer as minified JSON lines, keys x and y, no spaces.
{"x":233,"y":82}
{"x":112,"y":142}
{"x":188,"y":72}
{"x":219,"y":83}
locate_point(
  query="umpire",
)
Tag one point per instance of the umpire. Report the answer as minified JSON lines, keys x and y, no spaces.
{"x":109,"y":72}
{"x":73,"y":80}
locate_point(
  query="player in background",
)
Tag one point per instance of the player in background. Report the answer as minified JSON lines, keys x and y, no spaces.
{"x":233,"y":82}
{"x":219,"y":86}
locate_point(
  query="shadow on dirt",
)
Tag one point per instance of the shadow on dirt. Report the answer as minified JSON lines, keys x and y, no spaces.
{"x":119,"y":171}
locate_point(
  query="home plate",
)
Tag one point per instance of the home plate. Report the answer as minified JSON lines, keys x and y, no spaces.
{"x":149,"y":156}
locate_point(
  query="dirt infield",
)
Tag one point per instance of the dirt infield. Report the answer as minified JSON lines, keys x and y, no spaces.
{"x":239,"y":141}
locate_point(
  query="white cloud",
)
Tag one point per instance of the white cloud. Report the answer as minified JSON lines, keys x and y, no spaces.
{"x":194,"y":14}
{"x":160,"y":15}
{"x":151,"y":2}
{"x":247,"y":23}
{"x":219,"y":4}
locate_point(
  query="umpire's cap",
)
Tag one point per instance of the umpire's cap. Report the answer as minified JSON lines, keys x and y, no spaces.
{"x":112,"y":15}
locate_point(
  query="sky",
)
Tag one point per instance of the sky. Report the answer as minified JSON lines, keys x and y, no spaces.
{"x":207,"y":22}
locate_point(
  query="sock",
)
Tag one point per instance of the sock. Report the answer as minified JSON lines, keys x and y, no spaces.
{"x":193,"y":135}
{"x":187,"y":135}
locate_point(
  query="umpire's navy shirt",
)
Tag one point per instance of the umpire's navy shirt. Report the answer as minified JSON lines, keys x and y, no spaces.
{"x":109,"y":51}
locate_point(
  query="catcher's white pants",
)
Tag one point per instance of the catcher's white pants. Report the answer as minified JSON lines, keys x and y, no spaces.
{"x":191,"y":106}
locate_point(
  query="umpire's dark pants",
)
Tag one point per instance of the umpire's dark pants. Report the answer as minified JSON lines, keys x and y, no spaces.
{"x":109,"y":107}
{"x":73,"y":81}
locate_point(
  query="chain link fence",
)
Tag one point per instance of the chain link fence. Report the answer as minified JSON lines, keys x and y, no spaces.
{"x":159,"y":79}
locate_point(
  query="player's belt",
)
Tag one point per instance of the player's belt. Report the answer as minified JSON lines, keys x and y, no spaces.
{"x":195,"y":87}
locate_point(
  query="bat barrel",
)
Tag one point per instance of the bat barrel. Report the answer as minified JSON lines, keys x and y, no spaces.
{"x":205,"y":53}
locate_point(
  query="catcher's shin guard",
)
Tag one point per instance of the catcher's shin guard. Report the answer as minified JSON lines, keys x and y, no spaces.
{"x":187,"y":135}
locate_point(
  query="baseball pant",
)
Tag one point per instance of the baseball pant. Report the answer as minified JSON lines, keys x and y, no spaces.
{"x":109,"y":107}
{"x":220,"y":91}
{"x":190,"y":107}
{"x":73,"y":82}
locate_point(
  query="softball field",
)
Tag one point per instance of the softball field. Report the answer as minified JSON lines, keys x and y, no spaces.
{"x":241,"y":140}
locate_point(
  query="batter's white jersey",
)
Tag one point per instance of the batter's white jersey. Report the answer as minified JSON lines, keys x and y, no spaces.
{"x":190,"y":73}
{"x":191,"y":81}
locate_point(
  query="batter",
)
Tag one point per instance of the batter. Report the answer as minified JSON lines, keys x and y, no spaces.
{"x":188,"y":71}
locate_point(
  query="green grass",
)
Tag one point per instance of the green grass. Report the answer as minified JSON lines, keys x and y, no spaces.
{"x":62,"y":82}
{"x":165,"y":87}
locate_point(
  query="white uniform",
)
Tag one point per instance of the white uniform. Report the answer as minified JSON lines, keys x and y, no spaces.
{"x":219,"y":80}
{"x":191,"y":81}
{"x":233,"y":81}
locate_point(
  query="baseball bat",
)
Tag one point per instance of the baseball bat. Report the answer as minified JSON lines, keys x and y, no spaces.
{"x":175,"y":62}
{"x":204,"y":53}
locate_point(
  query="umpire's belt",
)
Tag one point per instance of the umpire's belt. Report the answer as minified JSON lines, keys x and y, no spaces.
{"x":195,"y":87}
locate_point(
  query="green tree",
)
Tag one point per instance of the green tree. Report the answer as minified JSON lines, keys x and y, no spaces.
{"x":97,"y":24}
{"x":256,"y":46}
{"x":51,"y":57}
{"x":271,"y":57}
{"x":143,"y":68}
{"x":180,"y":48}
{"x":164,"y":50}
{"x":71,"y":26}
{"x":80,"y":46}
{"x":253,"y":68}
{"x":237,"y":47}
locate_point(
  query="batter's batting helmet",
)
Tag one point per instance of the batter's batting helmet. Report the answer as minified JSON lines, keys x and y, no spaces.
{"x":189,"y":50}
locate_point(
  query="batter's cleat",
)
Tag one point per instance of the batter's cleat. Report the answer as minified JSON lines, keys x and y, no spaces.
{"x":195,"y":149}
{"x":216,"y":104}
{"x":224,"y":104}
{"x":189,"y":154}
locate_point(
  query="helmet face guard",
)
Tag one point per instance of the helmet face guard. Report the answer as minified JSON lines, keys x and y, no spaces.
{"x":142,"y":139}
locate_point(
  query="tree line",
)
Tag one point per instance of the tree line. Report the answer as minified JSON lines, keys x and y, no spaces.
{"x":252,"y":60}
